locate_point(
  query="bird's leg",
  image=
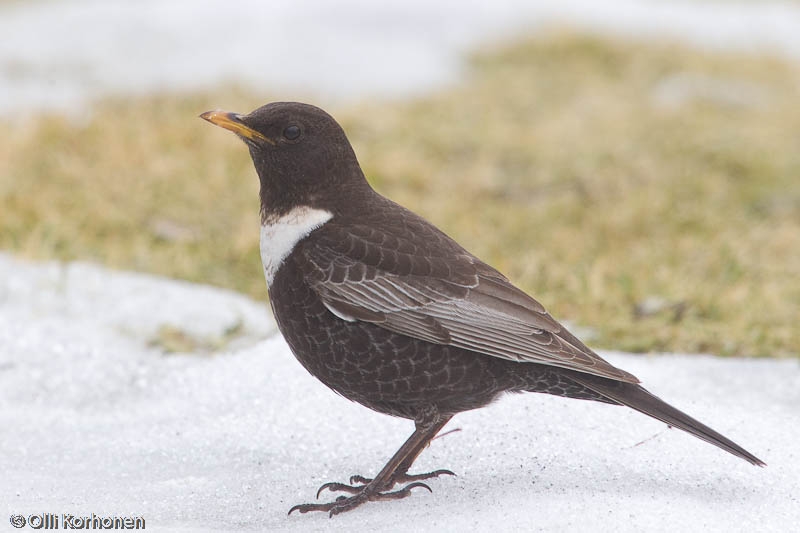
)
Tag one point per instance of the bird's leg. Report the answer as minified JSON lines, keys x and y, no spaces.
{"x":394,"y":472}
{"x":401,"y":475}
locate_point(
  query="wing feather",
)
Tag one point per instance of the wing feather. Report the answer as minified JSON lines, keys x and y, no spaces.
{"x":442,"y":295}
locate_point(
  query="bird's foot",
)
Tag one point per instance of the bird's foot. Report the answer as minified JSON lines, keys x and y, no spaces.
{"x":362,"y":494}
{"x":357,"y":483}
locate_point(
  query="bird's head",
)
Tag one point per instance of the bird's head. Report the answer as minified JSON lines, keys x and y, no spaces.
{"x":301,"y":154}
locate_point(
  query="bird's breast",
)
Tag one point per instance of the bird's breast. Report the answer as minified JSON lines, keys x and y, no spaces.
{"x":279,"y":235}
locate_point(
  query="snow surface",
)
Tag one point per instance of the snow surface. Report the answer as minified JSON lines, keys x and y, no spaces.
{"x":96,"y":420}
{"x":59,"y":54}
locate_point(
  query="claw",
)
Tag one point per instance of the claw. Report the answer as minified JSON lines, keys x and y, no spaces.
{"x":429,"y":475}
{"x":361,"y":480}
{"x":323,"y":487}
{"x":357,"y":482}
{"x":302,"y":509}
{"x":360,"y":495}
{"x":402,"y":478}
{"x":402,"y":493}
{"x":338,"y":487}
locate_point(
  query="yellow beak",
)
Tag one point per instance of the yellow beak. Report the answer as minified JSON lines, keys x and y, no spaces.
{"x":233,"y":122}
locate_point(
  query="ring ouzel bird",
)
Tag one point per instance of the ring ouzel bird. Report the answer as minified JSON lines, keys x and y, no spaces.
{"x":388,"y":311}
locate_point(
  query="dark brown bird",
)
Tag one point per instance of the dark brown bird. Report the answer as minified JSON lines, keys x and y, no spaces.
{"x":388,"y":311}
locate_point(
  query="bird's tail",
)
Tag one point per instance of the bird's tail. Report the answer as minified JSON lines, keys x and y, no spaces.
{"x":638,"y":398}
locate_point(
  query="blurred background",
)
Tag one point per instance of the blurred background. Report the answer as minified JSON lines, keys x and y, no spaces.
{"x":635,"y":165}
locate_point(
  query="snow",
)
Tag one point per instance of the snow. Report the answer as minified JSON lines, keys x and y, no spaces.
{"x":59,"y":54}
{"x":98,"y":420}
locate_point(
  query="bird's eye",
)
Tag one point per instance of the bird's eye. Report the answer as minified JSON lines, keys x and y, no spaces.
{"x":292,"y":132}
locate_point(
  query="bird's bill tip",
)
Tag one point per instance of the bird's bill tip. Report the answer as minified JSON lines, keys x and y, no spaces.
{"x":233,"y":122}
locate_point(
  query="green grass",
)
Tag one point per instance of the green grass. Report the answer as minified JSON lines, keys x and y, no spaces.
{"x":664,"y":224}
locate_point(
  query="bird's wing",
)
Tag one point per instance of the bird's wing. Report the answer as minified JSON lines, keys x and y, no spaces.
{"x":440,"y":294}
